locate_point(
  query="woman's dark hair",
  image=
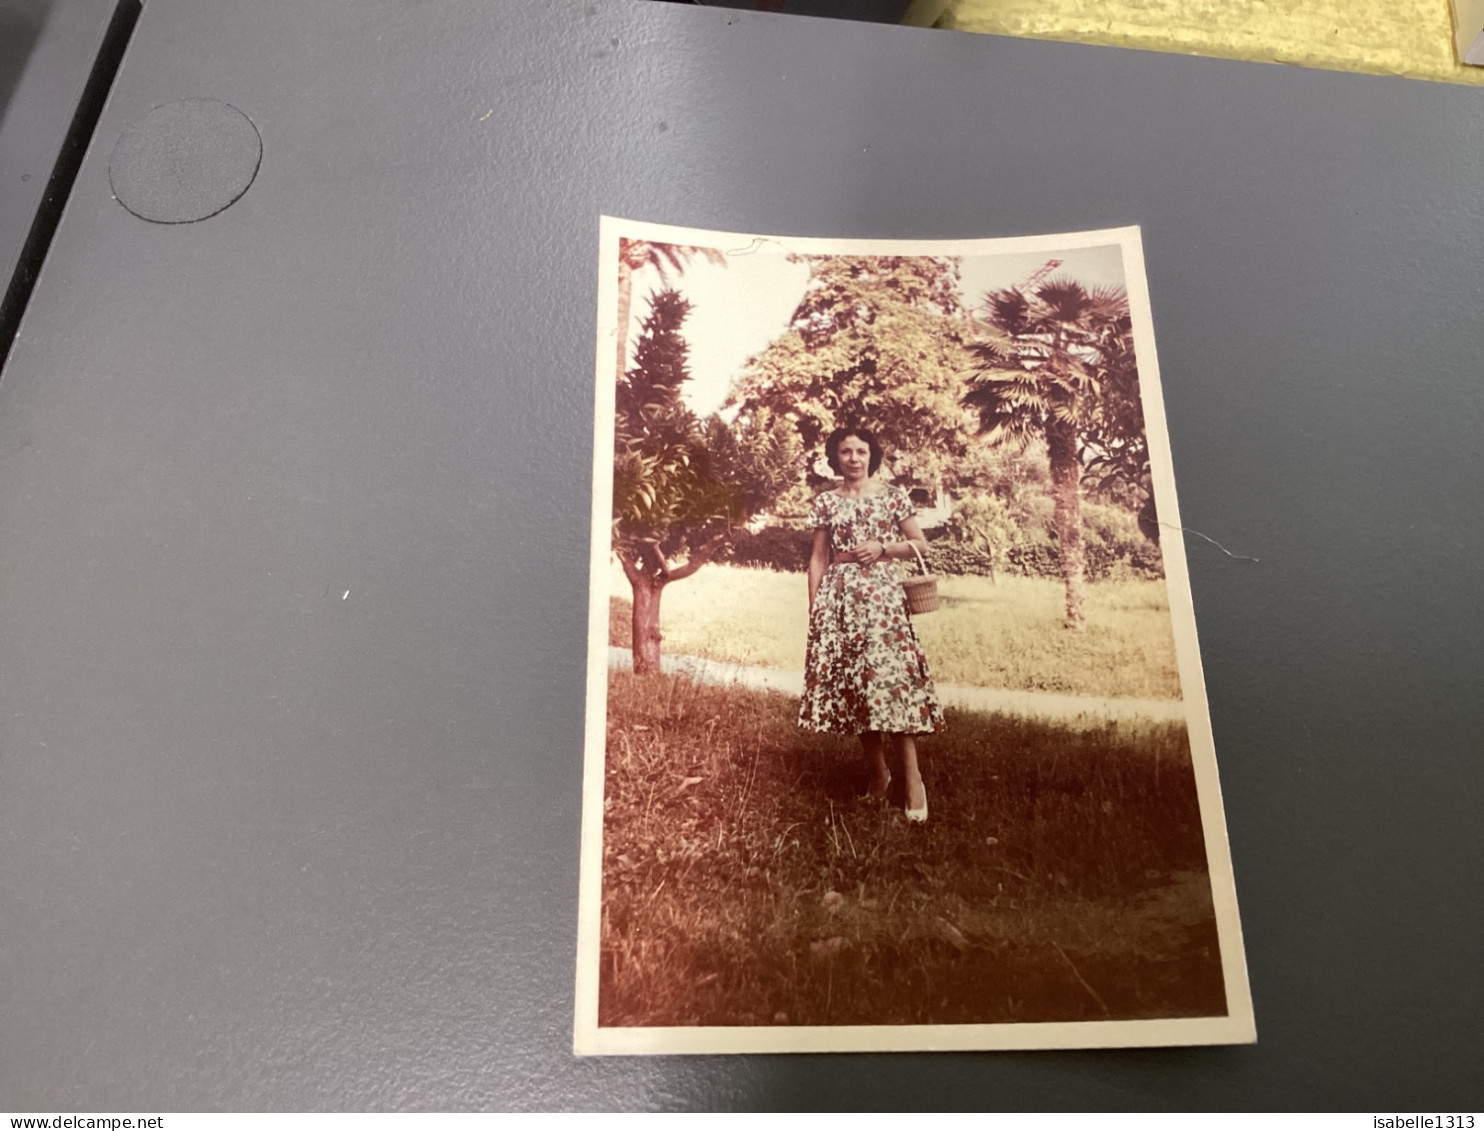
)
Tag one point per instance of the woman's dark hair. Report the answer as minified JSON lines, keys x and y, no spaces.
{"x":839,"y":435}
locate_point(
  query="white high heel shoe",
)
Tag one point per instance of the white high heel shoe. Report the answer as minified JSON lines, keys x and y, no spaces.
{"x":918,"y":816}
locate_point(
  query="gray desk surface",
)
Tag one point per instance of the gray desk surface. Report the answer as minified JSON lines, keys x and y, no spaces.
{"x":48,"y":52}
{"x":264,"y":847}
{"x":20,"y":26}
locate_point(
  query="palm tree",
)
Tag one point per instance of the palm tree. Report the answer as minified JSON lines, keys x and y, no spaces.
{"x":1040,"y":366}
{"x":635,"y":255}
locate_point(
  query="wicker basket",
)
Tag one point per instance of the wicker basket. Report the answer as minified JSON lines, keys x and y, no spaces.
{"x":922,"y":592}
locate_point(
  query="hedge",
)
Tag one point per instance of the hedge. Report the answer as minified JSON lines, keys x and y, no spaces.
{"x":1110,"y":551}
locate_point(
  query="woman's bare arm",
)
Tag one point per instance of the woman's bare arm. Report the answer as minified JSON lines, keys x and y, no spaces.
{"x":819,"y":558}
{"x":872,"y":551}
{"x":913,"y":532}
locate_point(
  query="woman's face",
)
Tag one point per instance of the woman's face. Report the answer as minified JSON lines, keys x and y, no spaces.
{"x":854,"y":455}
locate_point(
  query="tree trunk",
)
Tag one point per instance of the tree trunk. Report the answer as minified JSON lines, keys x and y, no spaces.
{"x":1066,"y":496}
{"x":649,"y":572}
{"x":646,"y":626}
{"x":625,"y":304}
{"x":1149,"y":519}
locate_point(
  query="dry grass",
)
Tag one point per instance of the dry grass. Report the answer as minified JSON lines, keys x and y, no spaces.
{"x":1061,"y":877}
{"x":1007,"y":635}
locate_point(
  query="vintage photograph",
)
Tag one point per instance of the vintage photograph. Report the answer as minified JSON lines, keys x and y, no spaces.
{"x":896,"y":731}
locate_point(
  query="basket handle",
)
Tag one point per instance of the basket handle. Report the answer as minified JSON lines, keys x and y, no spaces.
{"x":920,"y":560}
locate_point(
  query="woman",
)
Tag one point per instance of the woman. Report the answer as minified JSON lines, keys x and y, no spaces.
{"x":864,"y":671}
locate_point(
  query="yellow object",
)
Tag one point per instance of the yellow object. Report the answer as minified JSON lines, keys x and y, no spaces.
{"x":1393,"y":37}
{"x":1468,"y":22}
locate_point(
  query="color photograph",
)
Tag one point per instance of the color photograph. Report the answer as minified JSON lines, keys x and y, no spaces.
{"x":896,"y":730}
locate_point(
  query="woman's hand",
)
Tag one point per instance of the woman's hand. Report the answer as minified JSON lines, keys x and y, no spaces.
{"x":869,"y":552}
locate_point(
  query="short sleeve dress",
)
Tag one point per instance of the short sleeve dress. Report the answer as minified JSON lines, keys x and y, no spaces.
{"x":864,"y":668}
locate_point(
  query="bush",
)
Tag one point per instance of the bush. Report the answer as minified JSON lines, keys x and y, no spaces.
{"x":1113,"y":547}
{"x":773,"y":547}
{"x":958,"y":558}
{"x":1036,"y":556}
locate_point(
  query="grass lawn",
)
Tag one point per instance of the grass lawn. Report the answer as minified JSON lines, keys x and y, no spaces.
{"x":1061,"y":877}
{"x":1007,"y":635}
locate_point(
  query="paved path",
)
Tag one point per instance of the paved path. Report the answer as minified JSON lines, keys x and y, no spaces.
{"x":1036,"y":704}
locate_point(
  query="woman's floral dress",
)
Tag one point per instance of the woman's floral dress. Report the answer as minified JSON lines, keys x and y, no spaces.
{"x":864,"y":668}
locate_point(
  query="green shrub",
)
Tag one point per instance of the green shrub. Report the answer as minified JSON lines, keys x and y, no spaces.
{"x":1115,"y":548}
{"x":1036,"y":556}
{"x":778,"y":548}
{"x":958,"y":559}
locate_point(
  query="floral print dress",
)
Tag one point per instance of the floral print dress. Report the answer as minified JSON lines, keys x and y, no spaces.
{"x":864,"y":668}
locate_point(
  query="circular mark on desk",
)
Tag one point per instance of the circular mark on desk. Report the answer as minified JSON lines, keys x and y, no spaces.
{"x":185,"y":161}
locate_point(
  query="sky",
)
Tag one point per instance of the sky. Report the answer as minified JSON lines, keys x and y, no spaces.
{"x":737,"y":310}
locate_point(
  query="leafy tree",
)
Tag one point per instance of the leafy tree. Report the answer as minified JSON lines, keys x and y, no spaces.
{"x":986,"y":523}
{"x":763,"y":455}
{"x":634,"y":256}
{"x":875,"y":340}
{"x":1056,"y":364}
{"x":670,"y":499}
{"x":1016,"y":477}
{"x":1115,"y":451}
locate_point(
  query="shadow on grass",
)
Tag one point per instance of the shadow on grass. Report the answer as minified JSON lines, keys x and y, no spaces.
{"x":1062,"y":876}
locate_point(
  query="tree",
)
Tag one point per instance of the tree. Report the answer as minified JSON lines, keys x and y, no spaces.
{"x":875,"y":340}
{"x":635,"y":255}
{"x":985,"y":522}
{"x":1055,"y":364}
{"x":762,"y":454}
{"x":669,"y":499}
